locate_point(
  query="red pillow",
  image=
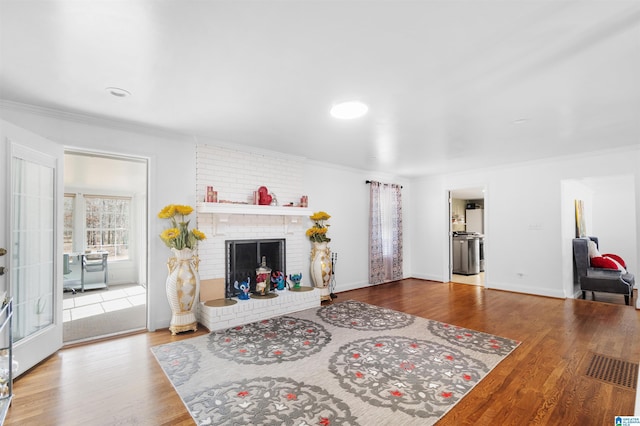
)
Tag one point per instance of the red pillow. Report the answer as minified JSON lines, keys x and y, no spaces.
{"x":616,"y":258}
{"x":603,"y":262}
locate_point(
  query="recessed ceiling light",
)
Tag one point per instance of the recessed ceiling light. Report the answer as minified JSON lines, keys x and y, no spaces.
{"x":118,"y":92}
{"x":349,"y":110}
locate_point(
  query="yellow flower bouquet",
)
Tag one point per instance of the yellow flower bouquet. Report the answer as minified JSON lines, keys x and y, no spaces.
{"x":318,"y":232}
{"x":179,"y":236}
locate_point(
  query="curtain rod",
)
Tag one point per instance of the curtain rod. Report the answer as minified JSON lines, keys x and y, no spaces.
{"x":368,"y":181}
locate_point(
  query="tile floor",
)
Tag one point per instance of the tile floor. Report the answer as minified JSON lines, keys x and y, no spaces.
{"x":477,"y":279}
{"x":91,"y":303}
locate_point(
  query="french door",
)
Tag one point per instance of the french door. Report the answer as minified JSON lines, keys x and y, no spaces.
{"x":32,"y":238}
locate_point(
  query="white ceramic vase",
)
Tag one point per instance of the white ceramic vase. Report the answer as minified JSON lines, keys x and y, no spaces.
{"x":321,"y":268}
{"x":183,"y":289}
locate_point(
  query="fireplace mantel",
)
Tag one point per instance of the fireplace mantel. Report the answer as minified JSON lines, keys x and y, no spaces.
{"x":229,"y":208}
{"x":223,"y":211}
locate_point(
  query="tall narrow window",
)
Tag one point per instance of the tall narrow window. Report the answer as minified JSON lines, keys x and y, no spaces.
{"x":69,"y":203}
{"x":108,"y":225}
{"x":385,"y":232}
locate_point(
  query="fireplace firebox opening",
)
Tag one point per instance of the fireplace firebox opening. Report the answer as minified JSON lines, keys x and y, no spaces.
{"x":243,"y":257}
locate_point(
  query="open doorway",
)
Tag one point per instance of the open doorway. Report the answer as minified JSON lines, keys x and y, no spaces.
{"x":467,"y":236}
{"x":105,"y":255}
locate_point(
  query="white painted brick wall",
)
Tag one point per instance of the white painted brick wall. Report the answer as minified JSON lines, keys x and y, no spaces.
{"x":235,"y":174}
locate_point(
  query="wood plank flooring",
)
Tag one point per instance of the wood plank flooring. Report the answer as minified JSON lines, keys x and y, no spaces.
{"x":118,"y":381}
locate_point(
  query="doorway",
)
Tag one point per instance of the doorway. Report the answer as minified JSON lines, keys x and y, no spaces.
{"x":467,"y":236}
{"x":105,"y":255}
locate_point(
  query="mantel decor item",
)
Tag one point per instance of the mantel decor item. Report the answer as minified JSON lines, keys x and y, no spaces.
{"x":264,"y":199}
{"x":183,"y":282}
{"x":263,"y":281}
{"x":212,"y":196}
{"x":320,"y":254}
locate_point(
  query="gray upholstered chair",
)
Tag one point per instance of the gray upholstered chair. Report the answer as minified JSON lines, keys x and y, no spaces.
{"x":599,"y":279}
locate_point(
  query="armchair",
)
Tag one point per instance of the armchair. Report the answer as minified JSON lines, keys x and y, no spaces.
{"x":591,"y":278}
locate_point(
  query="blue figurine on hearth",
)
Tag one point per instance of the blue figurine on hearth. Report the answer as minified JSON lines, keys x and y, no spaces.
{"x":295,"y":279}
{"x":244,"y":289}
{"x":277,"y":280}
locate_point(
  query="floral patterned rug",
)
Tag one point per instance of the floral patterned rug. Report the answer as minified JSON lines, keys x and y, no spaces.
{"x":347,"y":363}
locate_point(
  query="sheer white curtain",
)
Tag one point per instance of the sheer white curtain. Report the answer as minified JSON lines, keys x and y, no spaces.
{"x":385,"y":232}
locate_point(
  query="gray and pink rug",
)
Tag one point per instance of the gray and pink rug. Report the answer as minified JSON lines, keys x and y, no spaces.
{"x":347,"y":363}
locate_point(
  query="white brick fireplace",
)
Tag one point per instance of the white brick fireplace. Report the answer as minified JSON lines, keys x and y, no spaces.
{"x":246,"y":311}
{"x":235,"y":175}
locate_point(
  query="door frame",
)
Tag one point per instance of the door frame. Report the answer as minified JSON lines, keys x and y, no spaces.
{"x":451,"y":192}
{"x":142,"y":234}
{"x":40,"y":344}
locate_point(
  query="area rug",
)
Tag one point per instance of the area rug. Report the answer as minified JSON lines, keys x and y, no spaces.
{"x":347,"y":363}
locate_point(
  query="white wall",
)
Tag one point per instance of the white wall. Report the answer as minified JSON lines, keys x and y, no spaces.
{"x":430,"y":229}
{"x":171,"y":169}
{"x":339,"y":191}
{"x":526,"y":246}
{"x":613,"y":216}
{"x":344,"y":194}
{"x":610,"y":215}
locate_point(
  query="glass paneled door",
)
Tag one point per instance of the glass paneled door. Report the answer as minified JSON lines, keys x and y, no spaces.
{"x":34,"y":246}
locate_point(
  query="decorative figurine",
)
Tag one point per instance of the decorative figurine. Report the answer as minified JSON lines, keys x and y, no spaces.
{"x":295,"y":279}
{"x":263,"y":272}
{"x":264,"y":199}
{"x":261,"y":284}
{"x":244,"y":288}
{"x":277,"y":279}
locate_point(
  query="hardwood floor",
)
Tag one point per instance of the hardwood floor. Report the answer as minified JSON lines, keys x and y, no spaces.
{"x":118,"y":381}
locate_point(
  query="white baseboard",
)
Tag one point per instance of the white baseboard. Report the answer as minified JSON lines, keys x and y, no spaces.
{"x":340,"y":287}
{"x":536,"y":291}
{"x":430,"y":277}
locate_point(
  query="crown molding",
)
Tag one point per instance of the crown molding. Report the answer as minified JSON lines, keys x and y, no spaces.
{"x":93,"y":120}
{"x":370,"y":174}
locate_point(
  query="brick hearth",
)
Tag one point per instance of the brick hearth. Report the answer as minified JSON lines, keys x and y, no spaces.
{"x":247,"y":311}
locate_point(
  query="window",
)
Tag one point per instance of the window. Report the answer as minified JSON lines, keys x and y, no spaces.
{"x":69,"y":202}
{"x":385,"y":232}
{"x":107,"y":225}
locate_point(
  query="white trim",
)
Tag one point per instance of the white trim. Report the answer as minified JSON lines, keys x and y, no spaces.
{"x":526,"y":289}
{"x":229,"y":208}
{"x":84,"y":118}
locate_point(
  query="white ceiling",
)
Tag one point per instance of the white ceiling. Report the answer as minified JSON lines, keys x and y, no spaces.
{"x":447,"y":82}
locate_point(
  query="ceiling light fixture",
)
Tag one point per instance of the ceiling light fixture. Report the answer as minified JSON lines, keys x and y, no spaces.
{"x":118,"y":92}
{"x":349,"y":110}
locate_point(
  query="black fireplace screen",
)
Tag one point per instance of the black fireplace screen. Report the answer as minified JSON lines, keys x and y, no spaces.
{"x":243,"y":257}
